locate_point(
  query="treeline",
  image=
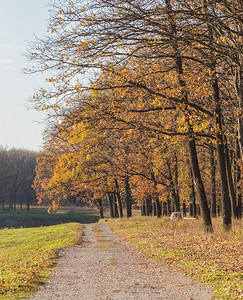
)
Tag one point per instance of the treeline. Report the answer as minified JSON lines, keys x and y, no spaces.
{"x":16,"y":178}
{"x":159,"y":121}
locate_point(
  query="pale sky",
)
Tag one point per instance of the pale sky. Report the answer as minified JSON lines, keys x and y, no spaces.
{"x":19,"y":21}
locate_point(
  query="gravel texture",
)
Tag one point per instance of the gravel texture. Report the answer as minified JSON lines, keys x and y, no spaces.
{"x":105,"y":267}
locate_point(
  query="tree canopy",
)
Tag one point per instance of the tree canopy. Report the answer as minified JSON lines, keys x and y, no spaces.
{"x":145,"y":93}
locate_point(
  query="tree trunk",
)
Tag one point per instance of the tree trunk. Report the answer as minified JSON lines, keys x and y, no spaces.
{"x":194,"y":205}
{"x":238,"y":177}
{"x":195,"y":210}
{"x":226,"y":205}
{"x":199,"y":186}
{"x":128,"y":197}
{"x":10,"y":206}
{"x":158,"y":207}
{"x":191,"y":143}
{"x":157,"y":203}
{"x":3,"y":201}
{"x":239,"y":93}
{"x":218,"y":127}
{"x":100,"y":207}
{"x":168,"y":212}
{"x":175,"y":196}
{"x":143,"y":209}
{"x":155,"y":209}
{"x":3,"y":193}
{"x":178,"y":205}
{"x":148,"y":205}
{"x":219,"y":211}
{"x":115,"y":206}
{"x":213,"y":183}
{"x":15,"y":193}
{"x":230,"y":180}
{"x":184,"y":209}
{"x":119,"y":198}
{"x":110,"y":198}
{"x":239,"y":206}
{"x":198,"y":210}
{"x":191,"y":210}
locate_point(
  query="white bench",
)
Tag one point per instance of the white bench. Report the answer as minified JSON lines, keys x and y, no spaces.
{"x":176,"y":215}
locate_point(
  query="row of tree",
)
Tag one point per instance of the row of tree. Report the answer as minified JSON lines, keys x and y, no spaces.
{"x":162,"y":106}
{"x":16,"y":178}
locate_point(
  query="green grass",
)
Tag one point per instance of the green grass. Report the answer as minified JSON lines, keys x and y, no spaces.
{"x":28,"y":254}
{"x":46,"y":215}
{"x":213,"y":258}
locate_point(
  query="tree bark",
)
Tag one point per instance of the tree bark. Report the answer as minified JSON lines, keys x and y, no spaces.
{"x":119,"y":198}
{"x":239,"y":206}
{"x":157,"y":202}
{"x":168,"y":211}
{"x":213,"y":183}
{"x":219,"y":211}
{"x":175,"y":196}
{"x":4,"y":192}
{"x":158,"y":207}
{"x":100,"y":207}
{"x":218,"y":126}
{"x":178,"y":205}
{"x":148,"y":205}
{"x":184,"y":209}
{"x":191,"y":210}
{"x":238,"y":177}
{"x":226,"y":205}
{"x":116,"y":214}
{"x":239,"y":93}
{"x":110,"y":198}
{"x":230,"y":180}
{"x":154,"y":209}
{"x":128,"y":197}
{"x":193,"y":195}
{"x":200,"y":187}
{"x":143,"y":209}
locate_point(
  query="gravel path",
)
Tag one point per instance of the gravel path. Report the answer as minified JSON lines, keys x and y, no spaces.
{"x":104,"y":267}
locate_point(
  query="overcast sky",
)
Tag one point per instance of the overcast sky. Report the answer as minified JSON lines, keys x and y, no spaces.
{"x":19,"y":21}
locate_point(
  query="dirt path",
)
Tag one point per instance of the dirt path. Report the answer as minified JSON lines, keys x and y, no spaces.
{"x":104,"y":267}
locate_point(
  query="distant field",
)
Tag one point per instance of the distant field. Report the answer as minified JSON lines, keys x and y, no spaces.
{"x":44,"y":214}
{"x":37,"y":218}
{"x":28,"y":254}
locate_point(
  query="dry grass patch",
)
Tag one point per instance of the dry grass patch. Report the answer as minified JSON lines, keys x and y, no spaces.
{"x":113,"y":261}
{"x":213,"y":258}
{"x":103,"y":242}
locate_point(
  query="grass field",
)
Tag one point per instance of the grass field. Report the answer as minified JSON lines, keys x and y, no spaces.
{"x":28,"y":254}
{"x":44,"y":214}
{"x":213,"y":258}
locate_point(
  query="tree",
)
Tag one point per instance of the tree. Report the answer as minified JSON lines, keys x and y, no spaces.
{"x":163,"y":70}
{"x":16,"y":177}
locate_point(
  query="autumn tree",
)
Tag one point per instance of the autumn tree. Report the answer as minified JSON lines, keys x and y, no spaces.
{"x":166,"y":67}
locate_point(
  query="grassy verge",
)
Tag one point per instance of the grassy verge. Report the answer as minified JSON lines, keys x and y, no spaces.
{"x":27,"y":255}
{"x":213,"y":258}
